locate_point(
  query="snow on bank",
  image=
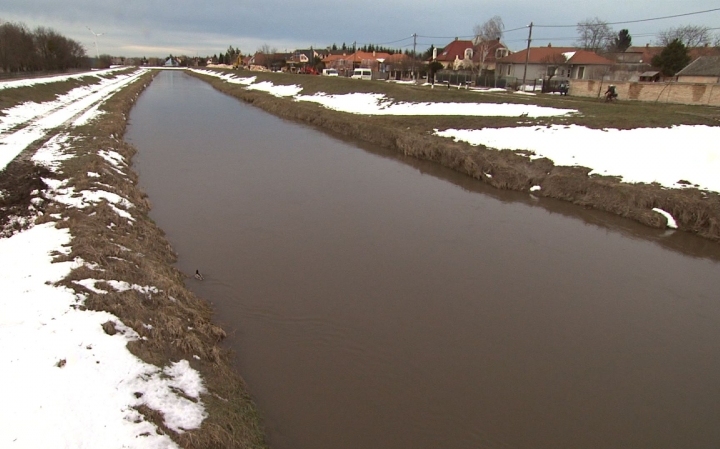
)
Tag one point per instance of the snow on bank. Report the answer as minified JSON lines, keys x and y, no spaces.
{"x":662,"y":155}
{"x":276,"y":90}
{"x":671,"y":223}
{"x":379,"y":104}
{"x":54,"y":79}
{"x":69,"y":383}
{"x":63,"y":373}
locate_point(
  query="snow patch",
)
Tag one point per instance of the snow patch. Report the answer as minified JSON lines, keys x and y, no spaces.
{"x":614,"y":152}
{"x":671,"y":223}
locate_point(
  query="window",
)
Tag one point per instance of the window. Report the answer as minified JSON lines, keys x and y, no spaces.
{"x":501,"y":52}
{"x":468,"y":53}
{"x":581,"y":73}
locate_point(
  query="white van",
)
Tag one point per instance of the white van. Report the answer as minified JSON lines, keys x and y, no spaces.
{"x":362,"y":74}
{"x":330,"y":72}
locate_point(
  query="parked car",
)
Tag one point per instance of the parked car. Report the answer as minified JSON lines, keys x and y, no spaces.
{"x":330,"y":72}
{"x":362,"y":74}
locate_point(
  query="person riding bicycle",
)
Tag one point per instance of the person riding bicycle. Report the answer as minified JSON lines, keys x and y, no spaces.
{"x":611,"y":93}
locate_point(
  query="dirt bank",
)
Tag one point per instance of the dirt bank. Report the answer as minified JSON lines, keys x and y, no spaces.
{"x":172,"y":323}
{"x":694,"y":211}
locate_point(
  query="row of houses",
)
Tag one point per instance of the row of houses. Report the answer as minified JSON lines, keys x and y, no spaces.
{"x":343,"y":61}
{"x":536,"y":63}
{"x":632,"y":65}
{"x":457,"y":55}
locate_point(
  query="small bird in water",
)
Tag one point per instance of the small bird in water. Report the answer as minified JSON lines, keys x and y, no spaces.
{"x":198,"y":276}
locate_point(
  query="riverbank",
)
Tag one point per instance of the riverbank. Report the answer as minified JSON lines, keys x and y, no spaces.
{"x":689,"y":208}
{"x":104,"y":344}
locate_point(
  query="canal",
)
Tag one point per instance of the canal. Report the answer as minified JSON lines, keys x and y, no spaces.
{"x":376,"y":301}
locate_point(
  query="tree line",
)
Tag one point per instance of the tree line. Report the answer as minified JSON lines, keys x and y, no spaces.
{"x":42,"y":49}
{"x":368,"y":48}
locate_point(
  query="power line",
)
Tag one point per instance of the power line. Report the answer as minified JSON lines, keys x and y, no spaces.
{"x":392,"y":42}
{"x":471,"y":35}
{"x":446,"y":37}
{"x":550,"y":26}
{"x":570,"y":38}
{"x":636,"y":21}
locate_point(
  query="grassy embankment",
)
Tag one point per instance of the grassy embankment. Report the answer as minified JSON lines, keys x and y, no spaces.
{"x":694,"y":211}
{"x":135,"y":252}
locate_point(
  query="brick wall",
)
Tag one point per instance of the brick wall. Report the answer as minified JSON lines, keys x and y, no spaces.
{"x":682,"y":93}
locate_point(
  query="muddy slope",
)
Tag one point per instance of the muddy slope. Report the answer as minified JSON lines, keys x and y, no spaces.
{"x":695,"y":211}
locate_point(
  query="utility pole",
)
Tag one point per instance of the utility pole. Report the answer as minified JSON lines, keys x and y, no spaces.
{"x":413,"y":55}
{"x":527,"y":54}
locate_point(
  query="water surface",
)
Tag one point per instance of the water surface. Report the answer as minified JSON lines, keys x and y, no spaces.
{"x":375,"y":301}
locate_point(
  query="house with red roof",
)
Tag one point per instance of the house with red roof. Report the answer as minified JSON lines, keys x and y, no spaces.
{"x":457,"y":55}
{"x":374,"y":60}
{"x":467,"y":55}
{"x":561,"y":63}
{"x":635,"y":63}
{"x":486,"y":54}
{"x":647,"y":53}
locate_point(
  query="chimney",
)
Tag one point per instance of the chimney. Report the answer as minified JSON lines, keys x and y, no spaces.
{"x":549,"y":44}
{"x":647,"y":45}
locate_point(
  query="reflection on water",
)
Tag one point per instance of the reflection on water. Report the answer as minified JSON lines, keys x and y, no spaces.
{"x":376,"y":301}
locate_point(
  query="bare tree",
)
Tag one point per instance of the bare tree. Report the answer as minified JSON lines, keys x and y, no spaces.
{"x":486,"y":35}
{"x":489,"y":31}
{"x":17,"y":51}
{"x":595,"y":35}
{"x":267,"y":50}
{"x":689,"y":35}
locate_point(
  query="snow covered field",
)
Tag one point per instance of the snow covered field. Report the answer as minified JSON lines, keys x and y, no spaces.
{"x":53,"y":79}
{"x":67,"y":381}
{"x":36,"y":120}
{"x":662,"y":155}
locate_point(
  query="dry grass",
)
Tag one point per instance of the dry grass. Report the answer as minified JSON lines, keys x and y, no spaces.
{"x":21,"y":198}
{"x":695,"y":211}
{"x":175,"y":323}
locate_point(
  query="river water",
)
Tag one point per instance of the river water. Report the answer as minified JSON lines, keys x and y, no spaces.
{"x":375,"y":301}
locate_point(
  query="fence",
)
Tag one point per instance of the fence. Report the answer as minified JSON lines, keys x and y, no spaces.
{"x":466,"y":77}
{"x":671,"y":92}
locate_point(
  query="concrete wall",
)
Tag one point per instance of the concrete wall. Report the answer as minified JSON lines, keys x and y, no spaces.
{"x":698,"y":79}
{"x":682,"y":93}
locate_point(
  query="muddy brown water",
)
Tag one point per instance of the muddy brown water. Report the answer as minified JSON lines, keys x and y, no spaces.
{"x":375,"y":301}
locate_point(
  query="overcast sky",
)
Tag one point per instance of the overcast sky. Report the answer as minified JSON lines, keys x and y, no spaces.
{"x":192,"y":27}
